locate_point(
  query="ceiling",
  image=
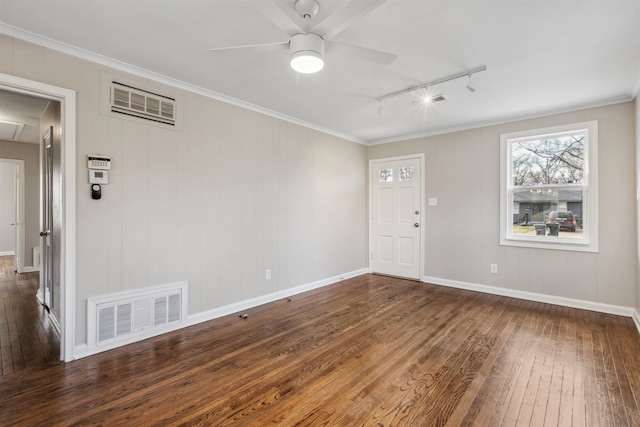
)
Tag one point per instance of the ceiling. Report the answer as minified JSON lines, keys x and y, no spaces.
{"x":20,"y":117}
{"x":542,"y":57}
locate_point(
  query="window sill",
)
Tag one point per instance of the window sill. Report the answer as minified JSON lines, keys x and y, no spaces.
{"x":558,"y":244}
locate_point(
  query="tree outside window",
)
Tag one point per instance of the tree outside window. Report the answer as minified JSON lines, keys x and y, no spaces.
{"x":548,"y":179}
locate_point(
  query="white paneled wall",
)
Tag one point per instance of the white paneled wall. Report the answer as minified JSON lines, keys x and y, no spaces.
{"x":637,"y":105}
{"x":216,"y":204}
{"x":462,"y":232}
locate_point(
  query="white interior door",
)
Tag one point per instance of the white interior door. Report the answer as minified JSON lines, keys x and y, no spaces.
{"x":12,"y":211}
{"x":396,"y":214}
{"x":46,"y":231}
{"x":16,"y":223}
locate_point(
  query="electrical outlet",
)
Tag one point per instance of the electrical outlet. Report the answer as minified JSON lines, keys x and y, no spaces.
{"x":267,"y":275}
{"x":494,"y":268}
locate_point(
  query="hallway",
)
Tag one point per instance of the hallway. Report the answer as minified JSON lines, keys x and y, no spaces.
{"x":27,"y":337}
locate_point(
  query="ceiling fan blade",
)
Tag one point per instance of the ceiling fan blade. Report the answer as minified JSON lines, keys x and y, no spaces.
{"x":359,"y":53}
{"x":342,"y":18}
{"x":271,"y":10}
{"x":254,"y":48}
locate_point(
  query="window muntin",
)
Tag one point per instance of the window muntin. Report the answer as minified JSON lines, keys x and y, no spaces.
{"x":545,"y":173}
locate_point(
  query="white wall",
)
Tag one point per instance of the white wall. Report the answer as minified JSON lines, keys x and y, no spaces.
{"x":637,"y":264}
{"x":216,"y":204}
{"x":28,"y":153}
{"x":462,"y":232}
{"x":7,"y":207}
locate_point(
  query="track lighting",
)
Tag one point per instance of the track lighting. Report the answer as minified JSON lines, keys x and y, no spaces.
{"x":470,"y":85}
{"x":428,"y":98}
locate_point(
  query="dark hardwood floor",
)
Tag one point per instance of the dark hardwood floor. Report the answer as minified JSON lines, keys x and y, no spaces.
{"x":27,"y":337}
{"x":372,"y":351}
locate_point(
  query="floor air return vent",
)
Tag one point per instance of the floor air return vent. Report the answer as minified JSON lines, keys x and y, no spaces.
{"x":133,"y":316}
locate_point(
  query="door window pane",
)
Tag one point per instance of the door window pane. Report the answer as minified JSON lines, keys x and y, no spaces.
{"x":386,"y":175}
{"x":406,"y":173}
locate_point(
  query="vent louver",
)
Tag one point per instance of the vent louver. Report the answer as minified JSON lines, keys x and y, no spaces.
{"x":135,"y":314}
{"x":143,"y":104}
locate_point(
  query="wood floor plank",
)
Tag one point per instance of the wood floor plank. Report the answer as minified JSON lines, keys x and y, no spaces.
{"x":473,"y":400}
{"x":493,"y":393}
{"x":511,"y":370}
{"x":370,"y":350}
{"x":27,"y":338}
{"x":623,"y":389}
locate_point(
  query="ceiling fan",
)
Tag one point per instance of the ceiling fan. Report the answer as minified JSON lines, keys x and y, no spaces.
{"x":308,"y":45}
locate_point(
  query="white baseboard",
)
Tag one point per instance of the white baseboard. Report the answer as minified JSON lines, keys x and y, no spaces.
{"x":83,"y":350}
{"x":636,"y":319}
{"x":532,"y":296}
{"x":30,"y":269}
{"x":264,"y":299}
{"x":7,"y":253}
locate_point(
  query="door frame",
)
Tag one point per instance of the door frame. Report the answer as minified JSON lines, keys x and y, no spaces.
{"x":67,"y":99}
{"x":19,"y":247}
{"x":419,"y":156}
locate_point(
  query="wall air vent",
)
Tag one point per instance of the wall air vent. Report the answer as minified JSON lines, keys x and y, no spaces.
{"x":135,"y":102}
{"x":131,"y":316}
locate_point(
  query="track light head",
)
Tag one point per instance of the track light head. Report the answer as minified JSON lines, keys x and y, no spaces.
{"x":426,"y":97}
{"x":470,"y":85}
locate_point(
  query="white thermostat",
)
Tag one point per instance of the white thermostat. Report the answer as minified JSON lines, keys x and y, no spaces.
{"x":96,"y":161}
{"x":98,"y":176}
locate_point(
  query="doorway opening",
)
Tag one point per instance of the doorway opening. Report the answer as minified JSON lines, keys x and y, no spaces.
{"x":63,"y":260}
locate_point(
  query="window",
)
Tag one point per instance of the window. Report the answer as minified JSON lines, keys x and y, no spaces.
{"x":386,"y":175}
{"x":549,"y":188}
{"x":406,"y":173}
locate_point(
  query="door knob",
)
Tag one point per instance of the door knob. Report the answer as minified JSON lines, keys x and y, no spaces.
{"x":13,"y":223}
{"x":44,"y":233}
{"x":416,"y":225}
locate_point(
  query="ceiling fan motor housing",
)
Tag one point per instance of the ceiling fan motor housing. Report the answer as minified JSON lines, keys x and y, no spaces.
{"x":309,"y":42}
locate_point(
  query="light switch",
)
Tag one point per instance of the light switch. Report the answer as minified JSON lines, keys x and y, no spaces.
{"x":433,"y":201}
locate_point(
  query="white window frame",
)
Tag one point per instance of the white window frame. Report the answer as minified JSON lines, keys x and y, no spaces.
{"x":589,"y":241}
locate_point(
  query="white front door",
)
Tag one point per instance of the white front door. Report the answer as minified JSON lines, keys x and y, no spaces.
{"x":396,"y":213}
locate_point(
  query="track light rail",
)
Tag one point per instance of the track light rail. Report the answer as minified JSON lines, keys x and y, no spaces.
{"x":432,"y":83}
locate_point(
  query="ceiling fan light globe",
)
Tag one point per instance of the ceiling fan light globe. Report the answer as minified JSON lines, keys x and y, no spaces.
{"x":307,"y":62}
{"x":307,"y":53}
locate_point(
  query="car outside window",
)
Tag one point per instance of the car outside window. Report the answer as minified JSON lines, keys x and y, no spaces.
{"x":549,"y":188}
